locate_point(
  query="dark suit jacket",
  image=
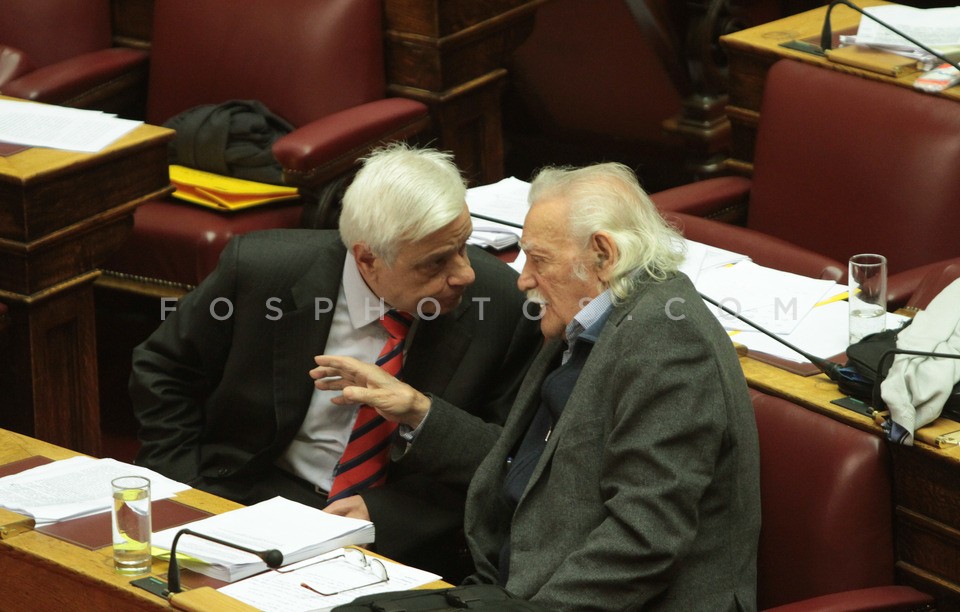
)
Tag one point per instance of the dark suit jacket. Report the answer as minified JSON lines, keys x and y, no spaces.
{"x":220,"y":397}
{"x":647,"y":495}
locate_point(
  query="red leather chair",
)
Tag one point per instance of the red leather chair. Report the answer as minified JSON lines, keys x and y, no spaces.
{"x":60,"y":52}
{"x":316,"y":63}
{"x":826,"y":538}
{"x":764,"y":250}
{"x":936,"y":279}
{"x":844,"y":165}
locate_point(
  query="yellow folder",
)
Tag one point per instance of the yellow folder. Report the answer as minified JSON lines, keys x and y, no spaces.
{"x":225,"y":193}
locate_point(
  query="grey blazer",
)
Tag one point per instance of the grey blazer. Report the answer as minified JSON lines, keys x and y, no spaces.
{"x":220,"y":397}
{"x":647,"y":494}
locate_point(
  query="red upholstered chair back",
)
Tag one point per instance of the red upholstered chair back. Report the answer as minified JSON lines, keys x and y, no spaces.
{"x":303,"y":59}
{"x":49,"y":31}
{"x":827,"y":506}
{"x":847,"y":165}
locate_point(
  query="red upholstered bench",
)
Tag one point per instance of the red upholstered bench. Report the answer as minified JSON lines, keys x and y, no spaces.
{"x":826,"y":540}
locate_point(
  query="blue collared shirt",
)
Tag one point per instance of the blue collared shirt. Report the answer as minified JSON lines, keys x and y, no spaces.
{"x":591,"y":317}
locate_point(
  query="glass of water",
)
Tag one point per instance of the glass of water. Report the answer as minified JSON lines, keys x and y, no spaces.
{"x":131,"y":524}
{"x":867,"y":283}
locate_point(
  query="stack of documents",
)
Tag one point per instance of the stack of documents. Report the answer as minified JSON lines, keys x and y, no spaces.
{"x":498,"y":211}
{"x":298,"y":531}
{"x":75,"y":487}
{"x":58,"y":127}
{"x":937,"y":28}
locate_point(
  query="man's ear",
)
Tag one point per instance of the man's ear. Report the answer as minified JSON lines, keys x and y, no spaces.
{"x":366,"y":260}
{"x":605,"y":253}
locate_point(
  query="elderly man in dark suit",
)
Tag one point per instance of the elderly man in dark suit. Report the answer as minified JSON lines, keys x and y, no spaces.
{"x":627,"y":475}
{"x":222,"y":390}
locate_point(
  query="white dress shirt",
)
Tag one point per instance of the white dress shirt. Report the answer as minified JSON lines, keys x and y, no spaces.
{"x":355,"y":332}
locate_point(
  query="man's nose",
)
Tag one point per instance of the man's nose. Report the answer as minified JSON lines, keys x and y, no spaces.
{"x":526,"y":281}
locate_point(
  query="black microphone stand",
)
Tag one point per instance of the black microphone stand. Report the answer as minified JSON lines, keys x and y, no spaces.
{"x":826,"y":34}
{"x":273,"y":557}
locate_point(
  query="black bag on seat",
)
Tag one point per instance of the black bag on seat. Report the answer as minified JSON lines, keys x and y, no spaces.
{"x":467,"y":597}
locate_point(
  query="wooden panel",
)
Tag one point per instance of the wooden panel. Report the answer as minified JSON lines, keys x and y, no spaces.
{"x":55,"y":191}
{"x":132,"y":22}
{"x":61,"y":214}
{"x":440,"y":63}
{"x":439,"y":18}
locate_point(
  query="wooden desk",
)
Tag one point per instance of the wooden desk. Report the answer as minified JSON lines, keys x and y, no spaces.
{"x":40,"y":572}
{"x":751,"y":52}
{"x":61,"y":214}
{"x":926,"y":486}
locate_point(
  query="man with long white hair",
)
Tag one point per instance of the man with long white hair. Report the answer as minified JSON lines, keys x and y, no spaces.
{"x":627,"y":476}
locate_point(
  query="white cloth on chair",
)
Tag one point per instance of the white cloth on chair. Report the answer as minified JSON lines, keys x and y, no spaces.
{"x":916,"y":388}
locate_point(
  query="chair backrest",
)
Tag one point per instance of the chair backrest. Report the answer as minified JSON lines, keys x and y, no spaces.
{"x":304,"y":59}
{"x":934,"y":281}
{"x":54,"y":30}
{"x":826,"y":502}
{"x":847,"y":165}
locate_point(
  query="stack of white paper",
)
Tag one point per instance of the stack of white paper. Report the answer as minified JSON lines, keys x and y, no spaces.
{"x":74,"y":487}
{"x":298,"y":531}
{"x":58,"y":127}
{"x":498,"y":212}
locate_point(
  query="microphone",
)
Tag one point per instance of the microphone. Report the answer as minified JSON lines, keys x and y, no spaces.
{"x":826,"y":34}
{"x":273,"y":557}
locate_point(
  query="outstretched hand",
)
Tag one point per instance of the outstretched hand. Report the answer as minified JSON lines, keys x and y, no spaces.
{"x":366,"y":383}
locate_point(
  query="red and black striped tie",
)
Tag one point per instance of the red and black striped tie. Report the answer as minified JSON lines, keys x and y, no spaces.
{"x":367,"y":455}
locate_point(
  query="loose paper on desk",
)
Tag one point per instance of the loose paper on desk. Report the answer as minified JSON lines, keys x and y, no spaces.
{"x":774,"y":299}
{"x":498,"y":211}
{"x":57,"y":127}
{"x":933,"y":26}
{"x":282,"y":591}
{"x":699,"y":257}
{"x":74,"y":487}
{"x":296,"y":530}
{"x":824,"y":332}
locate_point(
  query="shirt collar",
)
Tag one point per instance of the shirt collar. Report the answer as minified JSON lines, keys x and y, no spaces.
{"x":363,"y":305}
{"x":590,"y":318}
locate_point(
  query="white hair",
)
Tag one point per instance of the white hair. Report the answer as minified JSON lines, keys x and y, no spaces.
{"x":607,"y":197}
{"x":401,"y":194}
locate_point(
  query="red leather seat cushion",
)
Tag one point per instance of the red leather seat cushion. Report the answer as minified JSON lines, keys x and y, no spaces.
{"x":181,"y":243}
{"x":827,"y":505}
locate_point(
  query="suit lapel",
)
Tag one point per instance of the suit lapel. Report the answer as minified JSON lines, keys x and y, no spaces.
{"x":438,"y":347}
{"x":577,"y":398}
{"x":302,"y":334}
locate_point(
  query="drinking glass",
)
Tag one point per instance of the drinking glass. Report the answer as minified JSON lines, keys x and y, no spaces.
{"x":131,"y":524}
{"x":867,"y":283}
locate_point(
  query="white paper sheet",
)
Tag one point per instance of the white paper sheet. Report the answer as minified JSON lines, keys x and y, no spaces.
{"x":74,"y":487}
{"x":282,"y":591}
{"x":57,"y":127}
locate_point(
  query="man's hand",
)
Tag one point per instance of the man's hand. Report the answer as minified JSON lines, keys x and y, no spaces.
{"x":351,"y":507}
{"x":366,"y":383}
